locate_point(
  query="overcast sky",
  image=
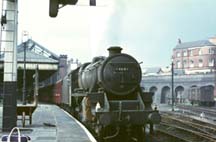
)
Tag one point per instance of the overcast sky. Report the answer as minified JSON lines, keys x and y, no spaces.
{"x":146,"y":29}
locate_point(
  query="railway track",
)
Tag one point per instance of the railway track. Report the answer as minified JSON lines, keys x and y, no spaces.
{"x":210,"y":113}
{"x":182,"y":128}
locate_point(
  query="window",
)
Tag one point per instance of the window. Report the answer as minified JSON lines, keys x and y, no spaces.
{"x":211,"y":50}
{"x":211,"y":62}
{"x":178,"y":54}
{"x":190,"y":53}
{"x":191,"y":63}
{"x":200,"y":62}
{"x":185,"y":63}
{"x":185,"y":53}
{"x":178,"y":63}
{"x":200,"y":52}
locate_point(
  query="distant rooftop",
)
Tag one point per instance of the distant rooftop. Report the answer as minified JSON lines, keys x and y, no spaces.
{"x":199,"y":43}
{"x":154,"y":71}
{"x":34,"y":53}
{"x":34,"y":57}
{"x":151,"y":70}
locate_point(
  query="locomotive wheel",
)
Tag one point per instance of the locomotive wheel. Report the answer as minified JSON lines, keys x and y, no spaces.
{"x":101,"y":135}
{"x":53,"y":8}
{"x":106,"y":134}
{"x":134,"y":133}
{"x":139,"y":132}
{"x":73,"y":110}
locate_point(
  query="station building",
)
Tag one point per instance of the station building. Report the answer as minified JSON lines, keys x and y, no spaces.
{"x":194,"y":65}
{"x":195,"y":57}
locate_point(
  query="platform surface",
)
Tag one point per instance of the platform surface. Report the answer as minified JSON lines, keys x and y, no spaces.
{"x":51,"y":124}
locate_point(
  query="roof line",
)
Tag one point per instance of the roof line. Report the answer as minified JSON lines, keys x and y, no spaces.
{"x":53,"y":54}
{"x":198,"y":43}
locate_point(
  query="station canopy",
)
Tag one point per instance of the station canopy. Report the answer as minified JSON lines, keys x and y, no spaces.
{"x":36,"y":54}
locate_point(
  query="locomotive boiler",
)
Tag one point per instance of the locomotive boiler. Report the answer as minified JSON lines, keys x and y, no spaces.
{"x":107,"y":97}
{"x":119,"y":74}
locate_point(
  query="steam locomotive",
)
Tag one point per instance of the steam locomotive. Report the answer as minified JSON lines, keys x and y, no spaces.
{"x":106,"y":96}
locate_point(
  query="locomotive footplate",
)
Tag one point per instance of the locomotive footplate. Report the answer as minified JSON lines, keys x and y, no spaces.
{"x":135,"y":117}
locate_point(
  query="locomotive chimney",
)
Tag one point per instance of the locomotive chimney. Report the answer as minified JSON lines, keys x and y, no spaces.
{"x":113,"y":50}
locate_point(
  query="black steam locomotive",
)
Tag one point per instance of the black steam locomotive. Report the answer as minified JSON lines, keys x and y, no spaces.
{"x":108,"y":99}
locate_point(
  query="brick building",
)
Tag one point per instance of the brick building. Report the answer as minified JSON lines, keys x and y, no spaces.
{"x":195,"y":57}
{"x":194,"y":63}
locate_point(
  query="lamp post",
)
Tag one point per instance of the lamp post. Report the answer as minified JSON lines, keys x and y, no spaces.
{"x":25,"y":40}
{"x":172,"y":83}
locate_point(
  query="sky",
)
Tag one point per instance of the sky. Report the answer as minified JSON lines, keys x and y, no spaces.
{"x":145,"y":29}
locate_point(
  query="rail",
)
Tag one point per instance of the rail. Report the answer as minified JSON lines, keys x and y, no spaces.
{"x":185,"y":128}
{"x":209,"y":113}
{"x":186,"y":134}
{"x":190,"y":124}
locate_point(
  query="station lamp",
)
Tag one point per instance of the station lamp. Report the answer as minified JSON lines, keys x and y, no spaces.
{"x":172,"y":82}
{"x":25,"y":37}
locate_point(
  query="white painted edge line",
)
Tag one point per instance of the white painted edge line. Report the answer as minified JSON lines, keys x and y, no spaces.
{"x":83,"y":127}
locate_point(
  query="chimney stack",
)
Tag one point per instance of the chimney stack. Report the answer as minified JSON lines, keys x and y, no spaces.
{"x":179,"y":41}
{"x":114,"y":50}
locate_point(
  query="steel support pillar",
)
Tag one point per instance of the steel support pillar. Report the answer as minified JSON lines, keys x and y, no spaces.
{"x":9,"y":44}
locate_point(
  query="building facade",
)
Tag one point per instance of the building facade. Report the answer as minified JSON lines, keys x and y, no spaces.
{"x":195,"y":57}
{"x":161,"y":85}
{"x":194,"y":65}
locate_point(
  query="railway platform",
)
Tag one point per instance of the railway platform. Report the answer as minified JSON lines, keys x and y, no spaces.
{"x":52,"y":124}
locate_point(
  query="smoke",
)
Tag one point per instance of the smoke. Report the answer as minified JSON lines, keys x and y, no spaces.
{"x":99,"y":22}
{"x":114,"y":30}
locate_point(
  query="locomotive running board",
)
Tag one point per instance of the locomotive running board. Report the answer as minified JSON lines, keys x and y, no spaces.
{"x":79,"y":94}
